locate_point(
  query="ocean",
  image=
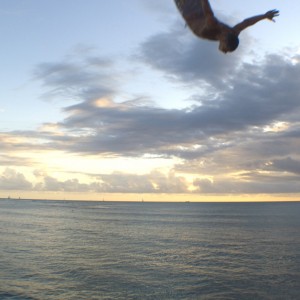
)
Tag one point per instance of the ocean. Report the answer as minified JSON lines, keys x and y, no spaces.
{"x":126,"y":250}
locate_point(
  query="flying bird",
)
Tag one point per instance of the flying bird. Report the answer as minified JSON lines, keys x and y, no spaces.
{"x":200,"y":18}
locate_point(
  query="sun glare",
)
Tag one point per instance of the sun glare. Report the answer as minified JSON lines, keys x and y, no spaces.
{"x":277,"y":127}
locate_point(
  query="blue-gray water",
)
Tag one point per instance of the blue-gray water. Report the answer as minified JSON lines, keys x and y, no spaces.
{"x":105,"y":250}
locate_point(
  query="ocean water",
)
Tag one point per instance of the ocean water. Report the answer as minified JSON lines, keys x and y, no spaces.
{"x":108,"y":250}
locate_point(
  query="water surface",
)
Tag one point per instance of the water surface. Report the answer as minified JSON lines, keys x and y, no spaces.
{"x":123,"y":250}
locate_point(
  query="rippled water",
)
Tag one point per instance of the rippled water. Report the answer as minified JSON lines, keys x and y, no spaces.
{"x":105,"y":250}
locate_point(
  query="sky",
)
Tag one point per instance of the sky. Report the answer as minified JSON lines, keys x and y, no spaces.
{"x":118,"y":100}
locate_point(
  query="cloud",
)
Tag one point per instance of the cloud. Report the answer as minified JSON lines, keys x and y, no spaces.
{"x":250,"y":184}
{"x":252,"y":99}
{"x":71,"y":185}
{"x":155,"y":182}
{"x":10,"y":179}
{"x":117,"y":182}
{"x":80,"y":79}
{"x":227,"y":138}
{"x":245,"y":95}
{"x":10,"y":160}
{"x":288,"y":164}
{"x":184,"y":57}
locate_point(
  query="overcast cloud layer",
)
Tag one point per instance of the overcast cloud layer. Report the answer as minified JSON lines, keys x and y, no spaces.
{"x":239,"y":135}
